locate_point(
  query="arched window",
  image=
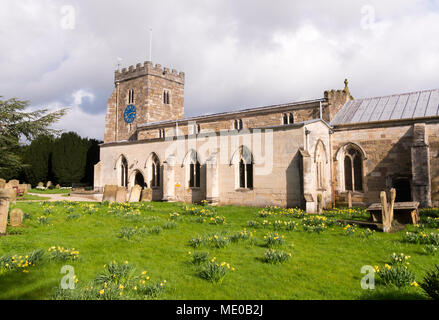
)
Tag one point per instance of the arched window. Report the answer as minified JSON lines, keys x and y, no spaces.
{"x":155,"y":172}
{"x":353,"y":170}
{"x":285,"y":117}
{"x":124,"y":172}
{"x":245,"y":168}
{"x":291,"y":118}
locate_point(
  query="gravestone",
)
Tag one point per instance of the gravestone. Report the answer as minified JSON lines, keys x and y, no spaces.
{"x":57,"y":186}
{"x":49,"y":184}
{"x":16,"y":218}
{"x":135,"y":193}
{"x":146,"y":195}
{"x":40,"y":185}
{"x":22,"y":188}
{"x":14,"y":183}
{"x":4,"y":209}
{"x":2,"y":183}
{"x":109,"y":193}
{"x":121,"y":195}
{"x":349,"y":199}
{"x":12,"y":193}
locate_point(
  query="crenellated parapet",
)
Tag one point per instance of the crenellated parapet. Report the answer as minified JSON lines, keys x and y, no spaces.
{"x":148,"y":69}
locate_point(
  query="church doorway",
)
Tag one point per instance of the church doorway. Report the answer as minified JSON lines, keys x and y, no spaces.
{"x":403,"y":189}
{"x":140,"y":180}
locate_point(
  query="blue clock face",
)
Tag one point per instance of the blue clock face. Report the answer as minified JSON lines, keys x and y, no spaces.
{"x":130,"y":113}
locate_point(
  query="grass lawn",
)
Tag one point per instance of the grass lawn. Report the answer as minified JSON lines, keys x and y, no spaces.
{"x":50,"y":191}
{"x":324,"y":265}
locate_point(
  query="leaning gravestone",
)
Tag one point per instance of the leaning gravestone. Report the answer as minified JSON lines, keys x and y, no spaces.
{"x":49,"y":184}
{"x":109,"y":193}
{"x":121,"y":195}
{"x":135,"y":193}
{"x":4,"y":208}
{"x":146,"y":195}
{"x":16,"y":218}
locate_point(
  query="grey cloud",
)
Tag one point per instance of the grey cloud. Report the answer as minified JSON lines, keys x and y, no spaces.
{"x":234,"y":53}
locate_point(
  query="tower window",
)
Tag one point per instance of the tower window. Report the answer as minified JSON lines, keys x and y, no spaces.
{"x":288,"y":118}
{"x":130,"y":96}
{"x":166,"y":97}
{"x":238,"y":124}
{"x":161,"y":133}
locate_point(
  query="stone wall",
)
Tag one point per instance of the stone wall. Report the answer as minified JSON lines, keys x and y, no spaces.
{"x":277,"y":165}
{"x":387,"y":149}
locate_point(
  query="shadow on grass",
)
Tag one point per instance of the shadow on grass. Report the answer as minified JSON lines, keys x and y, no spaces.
{"x":392,"y":294}
{"x":10,"y":281}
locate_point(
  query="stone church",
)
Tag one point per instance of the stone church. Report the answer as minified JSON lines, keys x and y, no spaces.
{"x":301,"y":154}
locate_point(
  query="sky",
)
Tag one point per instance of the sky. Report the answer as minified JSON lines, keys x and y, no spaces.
{"x":235,"y":53}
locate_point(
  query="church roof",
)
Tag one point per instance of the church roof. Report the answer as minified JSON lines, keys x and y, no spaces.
{"x":412,"y":105}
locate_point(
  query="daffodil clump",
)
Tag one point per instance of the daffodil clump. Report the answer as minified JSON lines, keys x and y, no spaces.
{"x":399,"y":259}
{"x":89,"y":208}
{"x":431,"y":249}
{"x":273,"y":239}
{"x":217,"y":240}
{"x":276,"y":256}
{"x":315,"y":223}
{"x":118,"y":281}
{"x":202,"y":211}
{"x":127,"y":232}
{"x":214,"y":271}
{"x":174,"y":216}
{"x":348,"y":213}
{"x":252,"y":224}
{"x":62,"y":254}
{"x":396,"y":272}
{"x":431,"y":283}
{"x":350,"y":229}
{"x":20,"y":262}
{"x":242,"y":235}
{"x":432,"y":222}
{"x":199,"y":258}
{"x":422,"y":237}
{"x":43,"y":220}
{"x":218,"y":220}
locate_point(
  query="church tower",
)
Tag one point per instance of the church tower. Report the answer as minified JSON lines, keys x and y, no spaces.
{"x":142,"y":94}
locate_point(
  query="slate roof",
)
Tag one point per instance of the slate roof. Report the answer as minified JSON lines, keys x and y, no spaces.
{"x":395,"y":107}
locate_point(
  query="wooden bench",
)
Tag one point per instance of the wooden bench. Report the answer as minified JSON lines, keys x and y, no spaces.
{"x":404,"y":212}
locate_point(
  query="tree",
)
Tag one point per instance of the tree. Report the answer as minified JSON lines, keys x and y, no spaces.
{"x":69,"y":158}
{"x":16,"y":123}
{"x":38,"y":155}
